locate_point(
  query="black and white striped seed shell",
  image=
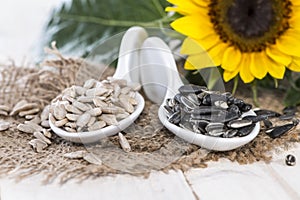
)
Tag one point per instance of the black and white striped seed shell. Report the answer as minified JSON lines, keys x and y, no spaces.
{"x":240,"y":123}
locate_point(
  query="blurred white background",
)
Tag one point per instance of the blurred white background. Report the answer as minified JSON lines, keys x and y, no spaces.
{"x":21,"y":27}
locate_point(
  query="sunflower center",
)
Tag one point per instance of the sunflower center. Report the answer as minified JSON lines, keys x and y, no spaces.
{"x":250,"y":18}
{"x":250,"y":25}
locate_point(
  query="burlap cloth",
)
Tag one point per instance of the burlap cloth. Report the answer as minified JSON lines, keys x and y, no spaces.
{"x":153,"y":147}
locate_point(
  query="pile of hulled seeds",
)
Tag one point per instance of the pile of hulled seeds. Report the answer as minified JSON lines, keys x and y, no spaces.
{"x":212,"y":113}
{"x":94,"y":105}
{"x":36,"y":124}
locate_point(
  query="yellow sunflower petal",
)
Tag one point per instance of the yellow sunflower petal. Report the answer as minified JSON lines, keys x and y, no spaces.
{"x":231,"y":59}
{"x":245,"y":72}
{"x":278,"y":56}
{"x":228,"y":75}
{"x":294,"y":22}
{"x":289,"y":42}
{"x":295,"y":65}
{"x":186,"y":7}
{"x":258,"y":66}
{"x":194,"y":26}
{"x":295,"y":2}
{"x":189,"y":66}
{"x":275,"y":69}
{"x":199,"y":61}
{"x":191,"y":46}
{"x":209,"y":41}
{"x":217,"y":52}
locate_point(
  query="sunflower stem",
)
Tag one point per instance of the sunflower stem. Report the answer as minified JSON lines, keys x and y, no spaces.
{"x":214,"y":76}
{"x":275,"y":83}
{"x":235,"y":85}
{"x":254,"y":92}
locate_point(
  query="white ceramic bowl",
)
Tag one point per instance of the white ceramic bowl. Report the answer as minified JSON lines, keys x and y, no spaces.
{"x":94,"y":136}
{"x":209,"y":142}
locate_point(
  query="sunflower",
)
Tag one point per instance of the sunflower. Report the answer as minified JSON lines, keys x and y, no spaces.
{"x":247,"y":37}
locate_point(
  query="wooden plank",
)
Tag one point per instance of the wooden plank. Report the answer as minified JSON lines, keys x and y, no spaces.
{"x":288,"y":176}
{"x":226,"y":180}
{"x":157,"y":186}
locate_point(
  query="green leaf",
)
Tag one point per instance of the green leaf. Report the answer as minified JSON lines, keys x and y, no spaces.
{"x":77,"y":25}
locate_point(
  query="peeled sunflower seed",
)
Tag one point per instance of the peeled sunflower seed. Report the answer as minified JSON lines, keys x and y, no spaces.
{"x":24,"y":107}
{"x":133,"y":101}
{"x":45,"y":124}
{"x":68,"y":98}
{"x":38,"y":144}
{"x":73,"y":109}
{"x":96,"y":92}
{"x":51,"y":118}
{"x":124,"y":100}
{"x":29,"y":117}
{"x":85,"y":99}
{"x":132,"y":94}
{"x":95,"y":112}
{"x":120,"y":82}
{"x":109,"y":119}
{"x":29,"y":112}
{"x":71,"y":125}
{"x":91,"y":121}
{"x":45,"y":113}
{"x":4,"y":125}
{"x":70,"y":92}
{"x":79,"y":90}
{"x":91,"y":158}
{"x":71,"y":130}
{"x":124,"y":143}
{"x":4,"y":108}
{"x":89,"y":83}
{"x":75,"y":154}
{"x":26,"y":128}
{"x":117,"y":91}
{"x":34,"y":125}
{"x":4,"y":113}
{"x":60,"y":123}
{"x":80,"y":106}
{"x":59,"y":112}
{"x":97,"y":125}
{"x":125,"y":90}
{"x":72,"y":117}
{"x":17,"y":106}
{"x":83,"y":120}
{"x":112,"y":110}
{"x":47,"y":133}
{"x":98,"y":101}
{"x":42,"y":137}
{"x":122,"y":115}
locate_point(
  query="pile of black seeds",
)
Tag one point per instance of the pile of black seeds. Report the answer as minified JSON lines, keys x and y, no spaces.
{"x":287,"y":121}
{"x":197,"y":109}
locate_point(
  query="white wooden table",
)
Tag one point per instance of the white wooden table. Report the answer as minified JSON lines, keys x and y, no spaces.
{"x":20,"y":26}
{"x":221,"y":180}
